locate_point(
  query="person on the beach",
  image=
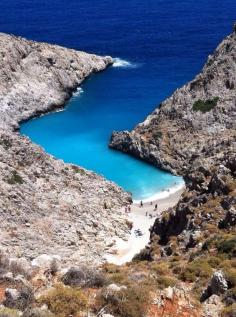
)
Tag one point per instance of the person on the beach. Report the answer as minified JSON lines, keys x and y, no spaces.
{"x":129,"y":208}
{"x":155,"y":207}
{"x":141,"y":203}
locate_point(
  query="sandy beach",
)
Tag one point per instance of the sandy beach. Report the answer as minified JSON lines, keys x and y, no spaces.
{"x":142,"y":218}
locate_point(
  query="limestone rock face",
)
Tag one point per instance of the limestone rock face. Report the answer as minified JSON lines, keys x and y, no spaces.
{"x":48,"y":207}
{"x":176,"y":135}
{"x":218,"y":283}
{"x":217,"y":286}
{"x":193,"y":134}
{"x":38,"y":77}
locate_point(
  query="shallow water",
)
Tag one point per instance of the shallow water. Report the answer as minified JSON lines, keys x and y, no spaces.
{"x":160,"y":45}
{"x":81,"y":133}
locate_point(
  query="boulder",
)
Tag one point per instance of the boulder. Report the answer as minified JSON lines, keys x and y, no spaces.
{"x":18,"y":299}
{"x":12,"y":294}
{"x":229,"y":220}
{"x":213,"y":306}
{"x":46,"y":262}
{"x":218,"y":283}
{"x":217,"y":286}
{"x":115,"y":288}
{"x":168,"y":293}
{"x":20,"y":266}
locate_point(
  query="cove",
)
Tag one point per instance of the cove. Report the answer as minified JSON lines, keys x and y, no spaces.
{"x":80,"y":134}
{"x":164,"y":44}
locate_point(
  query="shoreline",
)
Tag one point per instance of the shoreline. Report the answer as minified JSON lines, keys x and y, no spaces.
{"x":165,"y":193}
{"x":142,"y":219}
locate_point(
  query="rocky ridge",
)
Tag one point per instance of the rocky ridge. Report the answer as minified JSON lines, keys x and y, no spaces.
{"x":193,"y":134}
{"x":198,"y":144}
{"x":48,"y":206}
{"x":176,"y":135}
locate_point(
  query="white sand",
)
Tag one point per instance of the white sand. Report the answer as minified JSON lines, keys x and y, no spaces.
{"x":125,"y":250}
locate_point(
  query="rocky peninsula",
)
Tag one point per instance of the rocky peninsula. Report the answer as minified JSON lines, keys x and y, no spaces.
{"x":48,"y":206}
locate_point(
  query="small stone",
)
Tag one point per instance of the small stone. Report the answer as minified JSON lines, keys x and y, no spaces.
{"x":169,"y":293}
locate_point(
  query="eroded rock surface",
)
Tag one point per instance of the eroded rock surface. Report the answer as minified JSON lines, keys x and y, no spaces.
{"x":47,"y":206}
{"x":177,"y":136}
{"x":193,"y":134}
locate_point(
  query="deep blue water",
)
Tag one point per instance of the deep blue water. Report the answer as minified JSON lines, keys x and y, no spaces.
{"x":166,"y":41}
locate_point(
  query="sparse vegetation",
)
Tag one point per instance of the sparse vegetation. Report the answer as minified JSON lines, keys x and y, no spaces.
{"x":84,"y":277}
{"x":65,"y":301}
{"x":129,"y":302}
{"x":5,"y":143}
{"x":24,"y":300}
{"x":7,"y":312}
{"x":205,"y":106}
{"x":15,"y":178}
{"x":227,"y":244}
{"x":157,"y":135}
{"x":78,"y":169}
{"x":229,"y":311}
{"x":198,"y":268}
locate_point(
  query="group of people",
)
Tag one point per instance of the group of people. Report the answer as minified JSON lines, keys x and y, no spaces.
{"x":127,"y":208}
{"x":155,"y":208}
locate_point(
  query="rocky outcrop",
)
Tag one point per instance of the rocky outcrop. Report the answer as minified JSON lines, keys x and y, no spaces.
{"x":39,"y":77}
{"x":193,"y":134}
{"x":47,"y":206}
{"x":195,"y":121}
{"x":217,"y":286}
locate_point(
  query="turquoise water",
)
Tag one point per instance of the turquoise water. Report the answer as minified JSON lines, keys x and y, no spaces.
{"x":166,"y":44}
{"x":81,"y":134}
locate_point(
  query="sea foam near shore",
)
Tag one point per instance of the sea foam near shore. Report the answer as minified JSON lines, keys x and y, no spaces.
{"x":118,"y":62}
{"x":78,"y":92}
{"x":163,"y":194}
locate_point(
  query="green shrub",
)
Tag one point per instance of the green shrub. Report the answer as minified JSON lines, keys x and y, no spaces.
{"x":165,"y":281}
{"x":7,"y":312}
{"x":15,"y":178}
{"x":229,"y":311}
{"x":84,"y":277}
{"x":214,"y":261}
{"x":205,"y":106}
{"x":37,"y":312}
{"x":197,"y":269}
{"x":77,"y":169}
{"x":64,"y":301}
{"x":5,"y":143}
{"x":157,"y":134}
{"x":230,"y":274}
{"x":130,"y":302}
{"x":161,"y":268}
{"x":227,"y":245}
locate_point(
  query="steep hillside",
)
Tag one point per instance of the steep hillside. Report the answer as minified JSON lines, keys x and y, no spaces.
{"x":193,"y":134}
{"x":48,"y":206}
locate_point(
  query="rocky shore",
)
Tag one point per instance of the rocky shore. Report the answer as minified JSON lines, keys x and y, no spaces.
{"x":48,"y":206}
{"x":193,"y":134}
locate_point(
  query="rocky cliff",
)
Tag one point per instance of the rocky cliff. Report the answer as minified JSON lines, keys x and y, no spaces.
{"x":48,"y":206}
{"x":193,"y":122}
{"x":193,"y":134}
